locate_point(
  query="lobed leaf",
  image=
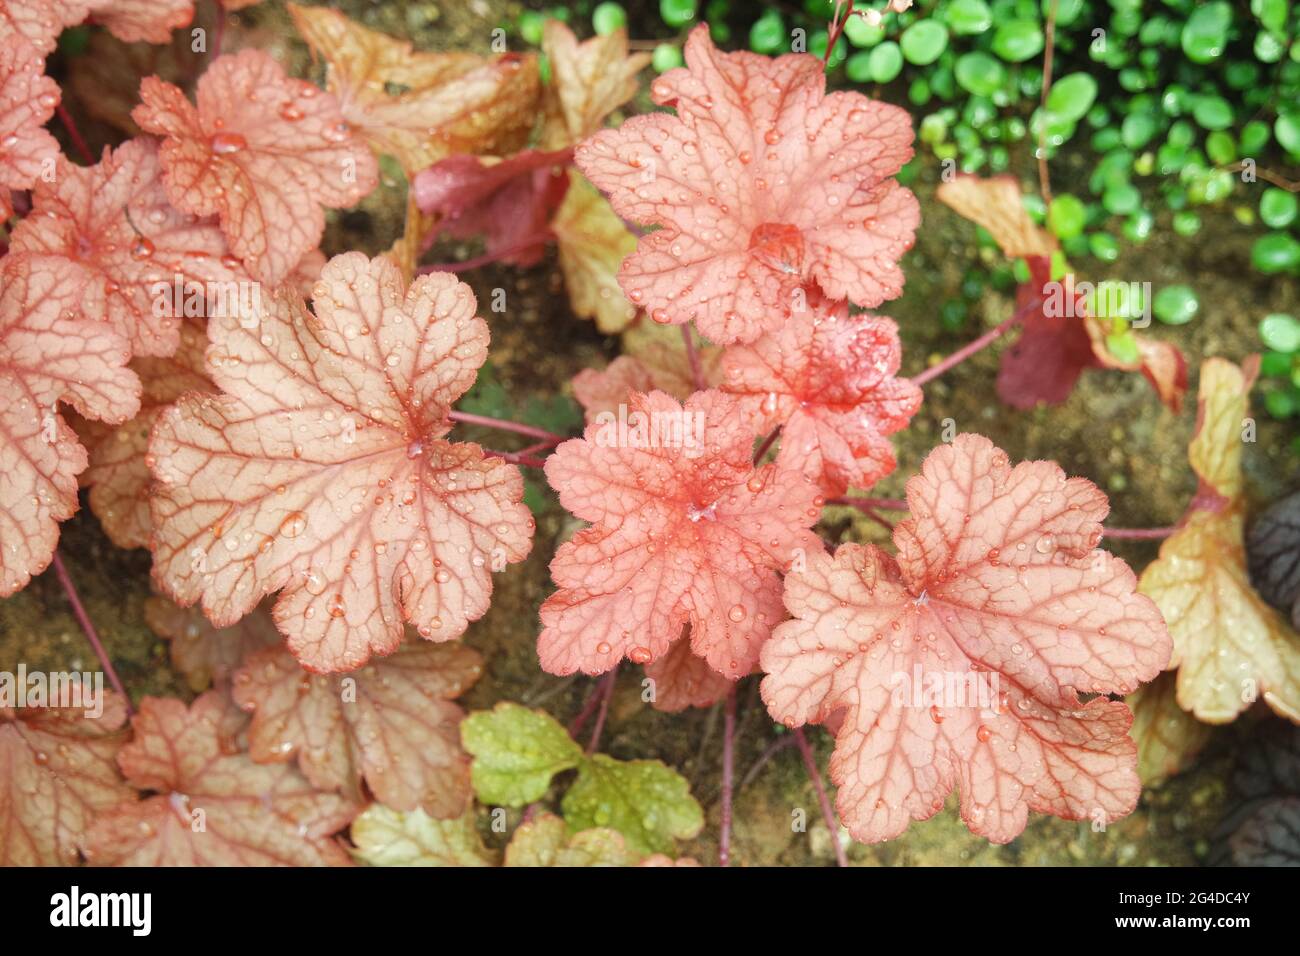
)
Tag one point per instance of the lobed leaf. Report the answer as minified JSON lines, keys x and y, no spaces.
{"x":57,"y":772}
{"x":28,"y":99}
{"x":545,"y":841}
{"x":516,"y":753}
{"x":386,"y":837}
{"x":322,"y":470}
{"x":589,"y":80}
{"x":998,"y":593}
{"x":261,"y":151}
{"x":211,"y":804}
{"x":829,"y":381}
{"x":760,"y":182}
{"x":684,"y":530}
{"x":1230,"y":647}
{"x":204,"y":654}
{"x":391,"y":725}
{"x":49,"y":354}
{"x":442,"y":104}
{"x":649,"y":803}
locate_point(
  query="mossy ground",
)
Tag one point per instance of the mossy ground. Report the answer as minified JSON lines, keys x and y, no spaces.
{"x":1112,"y":430}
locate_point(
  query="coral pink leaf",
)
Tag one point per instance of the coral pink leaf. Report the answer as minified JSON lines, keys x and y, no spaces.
{"x":262,"y":151}
{"x":323,"y":470}
{"x":509,"y":201}
{"x":48,"y":355}
{"x":211,"y":805}
{"x":118,"y":474}
{"x":149,"y":21}
{"x":40,"y":22}
{"x":684,"y":530}
{"x":828,"y":379}
{"x":391,"y":724}
{"x":683,"y":679}
{"x":205,"y":654}
{"x":57,"y":772}
{"x":27,"y":100}
{"x":143,"y":265}
{"x":959,"y":663}
{"x":760,"y":182}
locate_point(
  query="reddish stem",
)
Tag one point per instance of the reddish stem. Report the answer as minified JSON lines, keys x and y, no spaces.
{"x":767,"y":443}
{"x":88,"y":627}
{"x":985,"y":340}
{"x":606,"y":693}
{"x":588,"y":707}
{"x":828,"y":813}
{"x":697,"y":373}
{"x":486,"y":258}
{"x":487,"y":421}
{"x":728,"y":772}
{"x":836,"y":28}
{"x":74,"y":134}
{"x":218,"y":28}
{"x":1137,"y":534}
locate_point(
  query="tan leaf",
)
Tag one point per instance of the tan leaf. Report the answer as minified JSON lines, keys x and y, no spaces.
{"x":390,"y":724}
{"x":204,"y":653}
{"x":589,"y":80}
{"x":592,"y":243}
{"x":447,"y":102}
{"x":996,"y":205}
{"x":1168,"y":737}
{"x":1230,"y":647}
{"x":57,"y":771}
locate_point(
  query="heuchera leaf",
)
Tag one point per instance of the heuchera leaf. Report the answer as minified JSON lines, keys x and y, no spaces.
{"x":509,"y":201}
{"x":828,"y":379}
{"x":1045,"y":362}
{"x":683,"y":679}
{"x":323,"y":470}
{"x":516,"y":753}
{"x":261,"y":151}
{"x":1273,"y":552}
{"x":684,"y":530}
{"x":118,"y":474}
{"x":1264,"y":827}
{"x":654,"y":359}
{"x":998,"y":595}
{"x":449,"y":102}
{"x":392,"y":724}
{"x":1230,"y":647}
{"x":649,"y":803}
{"x":142,"y":264}
{"x":760,"y":182}
{"x":589,"y":80}
{"x":996,"y":205}
{"x":545,"y":841}
{"x":28,"y":99}
{"x":592,"y":243}
{"x":40,"y":22}
{"x":1168,"y":738}
{"x":48,"y":355}
{"x":205,"y":654}
{"x":250,"y":814}
{"x":386,"y":837}
{"x":57,"y":771}
{"x":1060,"y":338}
{"x":150,"y":21}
